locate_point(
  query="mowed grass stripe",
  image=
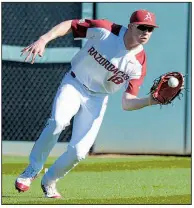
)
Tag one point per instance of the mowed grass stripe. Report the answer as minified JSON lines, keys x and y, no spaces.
{"x":146,"y":182}
{"x":100,"y":158}
{"x":176,"y":199}
{"x":107,"y":187}
{"x":16,"y":168}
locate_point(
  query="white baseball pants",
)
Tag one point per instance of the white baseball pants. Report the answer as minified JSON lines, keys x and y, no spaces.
{"x":72,"y":99}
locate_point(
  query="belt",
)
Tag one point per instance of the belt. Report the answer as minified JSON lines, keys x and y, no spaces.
{"x":74,"y":76}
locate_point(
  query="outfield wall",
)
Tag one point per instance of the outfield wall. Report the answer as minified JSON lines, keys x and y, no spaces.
{"x":152,"y":130}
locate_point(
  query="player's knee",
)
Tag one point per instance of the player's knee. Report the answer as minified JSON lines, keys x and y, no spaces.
{"x":76,"y":154}
{"x":80,"y":157}
{"x":55,"y":126}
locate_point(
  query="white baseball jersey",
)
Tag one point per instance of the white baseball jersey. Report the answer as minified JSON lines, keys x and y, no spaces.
{"x":104,"y":64}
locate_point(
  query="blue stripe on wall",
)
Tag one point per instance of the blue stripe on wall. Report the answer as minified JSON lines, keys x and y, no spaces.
{"x":51,"y":55}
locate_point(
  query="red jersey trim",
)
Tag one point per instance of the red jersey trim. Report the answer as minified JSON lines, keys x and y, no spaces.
{"x":134,"y":84}
{"x":79,"y":27}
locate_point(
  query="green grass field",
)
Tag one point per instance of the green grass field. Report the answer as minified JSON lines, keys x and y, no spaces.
{"x":124,"y":180}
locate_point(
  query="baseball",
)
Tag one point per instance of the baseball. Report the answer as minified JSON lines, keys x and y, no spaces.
{"x":173,"y":82}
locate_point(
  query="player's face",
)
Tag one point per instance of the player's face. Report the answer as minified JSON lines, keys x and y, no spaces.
{"x":142,"y":33}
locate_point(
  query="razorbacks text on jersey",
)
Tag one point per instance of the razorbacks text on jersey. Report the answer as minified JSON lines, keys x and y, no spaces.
{"x":104,"y":64}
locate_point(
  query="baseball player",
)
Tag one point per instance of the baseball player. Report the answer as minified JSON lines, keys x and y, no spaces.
{"x":112,"y":58}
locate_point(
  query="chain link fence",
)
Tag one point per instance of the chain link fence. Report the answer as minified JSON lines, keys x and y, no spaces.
{"x":23,"y":23}
{"x":28,"y":90}
{"x":27,"y":96}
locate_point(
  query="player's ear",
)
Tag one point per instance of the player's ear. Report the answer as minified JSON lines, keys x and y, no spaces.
{"x":130,"y":26}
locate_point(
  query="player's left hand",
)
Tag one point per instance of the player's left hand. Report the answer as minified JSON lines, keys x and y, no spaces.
{"x":153,"y":101}
{"x":163,"y":91}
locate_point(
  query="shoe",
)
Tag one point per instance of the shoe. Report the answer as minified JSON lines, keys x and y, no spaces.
{"x":24,"y":181}
{"x":50,"y":190}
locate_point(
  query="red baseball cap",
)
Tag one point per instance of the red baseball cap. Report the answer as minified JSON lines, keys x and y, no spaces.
{"x":143,"y":17}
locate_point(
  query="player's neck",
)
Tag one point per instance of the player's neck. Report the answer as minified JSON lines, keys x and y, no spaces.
{"x":129,"y":42}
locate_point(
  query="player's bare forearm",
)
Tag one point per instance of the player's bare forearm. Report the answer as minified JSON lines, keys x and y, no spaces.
{"x":59,"y":30}
{"x":131,"y":102}
{"x":38,"y":47}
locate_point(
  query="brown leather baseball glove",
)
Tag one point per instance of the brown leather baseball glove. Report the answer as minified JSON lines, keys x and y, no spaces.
{"x":162,"y":92}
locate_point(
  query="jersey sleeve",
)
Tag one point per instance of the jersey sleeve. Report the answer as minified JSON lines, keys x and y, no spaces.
{"x":137,"y":77}
{"x":89,"y":28}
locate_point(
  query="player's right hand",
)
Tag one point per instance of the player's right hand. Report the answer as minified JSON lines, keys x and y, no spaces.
{"x":33,"y":49}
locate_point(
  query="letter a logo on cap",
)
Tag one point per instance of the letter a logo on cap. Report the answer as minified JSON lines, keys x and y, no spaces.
{"x":143,"y":17}
{"x":148,"y":16}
